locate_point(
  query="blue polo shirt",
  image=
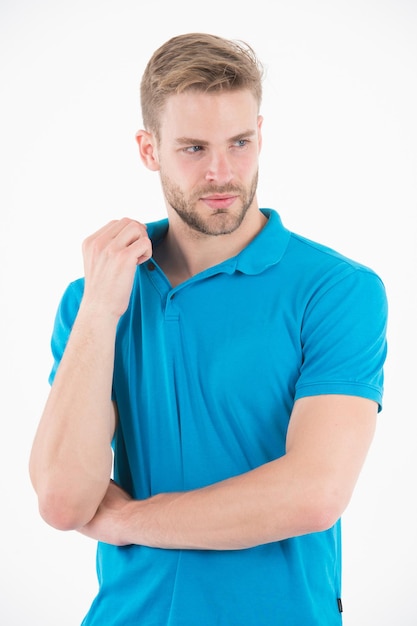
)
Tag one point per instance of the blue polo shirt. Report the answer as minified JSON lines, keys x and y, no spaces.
{"x":206,"y":375}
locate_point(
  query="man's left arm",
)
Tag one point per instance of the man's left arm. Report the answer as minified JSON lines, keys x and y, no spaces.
{"x":304,"y":491}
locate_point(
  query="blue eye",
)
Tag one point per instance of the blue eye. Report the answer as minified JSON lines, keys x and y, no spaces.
{"x":193,"y":149}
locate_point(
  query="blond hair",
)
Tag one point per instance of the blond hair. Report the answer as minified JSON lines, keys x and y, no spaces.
{"x":201,"y":62}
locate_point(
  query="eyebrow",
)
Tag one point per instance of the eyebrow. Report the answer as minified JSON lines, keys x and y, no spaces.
{"x":191,"y":141}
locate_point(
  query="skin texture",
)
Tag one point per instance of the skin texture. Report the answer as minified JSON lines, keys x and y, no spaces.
{"x":207,"y":159}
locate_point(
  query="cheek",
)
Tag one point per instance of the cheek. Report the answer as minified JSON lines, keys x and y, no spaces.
{"x":184,"y":170}
{"x":191,"y":176}
{"x":247,"y":164}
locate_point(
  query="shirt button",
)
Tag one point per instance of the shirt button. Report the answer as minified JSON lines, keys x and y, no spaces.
{"x":151,"y":266}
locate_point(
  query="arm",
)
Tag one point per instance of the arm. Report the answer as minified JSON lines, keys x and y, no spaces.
{"x":71,"y":457}
{"x":304,"y":491}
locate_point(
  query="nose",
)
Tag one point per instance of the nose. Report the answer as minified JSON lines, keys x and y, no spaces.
{"x":219,"y":168}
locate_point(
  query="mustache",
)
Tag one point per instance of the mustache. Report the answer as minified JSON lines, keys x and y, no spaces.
{"x":217,"y":189}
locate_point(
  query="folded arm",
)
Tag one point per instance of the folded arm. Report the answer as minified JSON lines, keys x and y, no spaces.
{"x":71,"y":458}
{"x":304,"y":491}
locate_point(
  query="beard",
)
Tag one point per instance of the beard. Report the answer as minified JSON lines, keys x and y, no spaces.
{"x":217,"y":222}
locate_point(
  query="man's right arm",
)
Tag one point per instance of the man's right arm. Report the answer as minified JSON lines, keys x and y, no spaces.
{"x":71,"y":459}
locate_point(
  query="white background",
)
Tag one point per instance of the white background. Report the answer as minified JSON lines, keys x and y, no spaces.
{"x":339,"y":164}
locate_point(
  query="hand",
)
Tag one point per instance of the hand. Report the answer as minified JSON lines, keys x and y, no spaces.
{"x":107,"y":523}
{"x":110,"y":259}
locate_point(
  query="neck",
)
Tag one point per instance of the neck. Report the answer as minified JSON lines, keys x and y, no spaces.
{"x":184,"y":252}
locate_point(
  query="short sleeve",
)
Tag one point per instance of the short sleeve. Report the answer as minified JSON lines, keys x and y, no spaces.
{"x":344,"y":337}
{"x":64,"y":320}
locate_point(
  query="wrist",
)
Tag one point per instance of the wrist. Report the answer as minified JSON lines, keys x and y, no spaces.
{"x":98,"y":312}
{"x":128,"y":526}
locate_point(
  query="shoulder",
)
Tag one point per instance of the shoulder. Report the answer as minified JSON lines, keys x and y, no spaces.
{"x":302,"y":257}
{"x":308,"y":250}
{"x":320,"y":268}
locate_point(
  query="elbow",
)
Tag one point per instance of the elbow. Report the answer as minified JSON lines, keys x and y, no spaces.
{"x":324,"y":511}
{"x":62,"y":511}
{"x":59,"y":514}
{"x":323,"y":517}
{"x":54,"y":503}
{"x":65,"y":504}
{"x":57,"y":510}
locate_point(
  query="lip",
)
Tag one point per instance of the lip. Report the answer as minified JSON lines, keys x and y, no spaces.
{"x":218,"y":201}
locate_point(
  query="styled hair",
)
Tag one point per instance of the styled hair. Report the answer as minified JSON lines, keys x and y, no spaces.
{"x":200,"y":62}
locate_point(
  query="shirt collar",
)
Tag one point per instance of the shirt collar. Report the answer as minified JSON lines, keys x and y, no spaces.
{"x":266,"y":249}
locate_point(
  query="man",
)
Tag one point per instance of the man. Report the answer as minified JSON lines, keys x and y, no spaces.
{"x":234,"y":367}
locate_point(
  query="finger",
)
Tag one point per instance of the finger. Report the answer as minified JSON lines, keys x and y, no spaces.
{"x":113,"y":228}
{"x":116,"y":236}
{"x":140,"y":249}
{"x":130,"y":232}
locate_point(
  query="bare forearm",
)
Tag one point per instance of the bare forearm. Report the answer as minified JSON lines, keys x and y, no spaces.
{"x":71,"y":459}
{"x":304,"y":491}
{"x":261,"y":506}
{"x":234,"y":514}
{"x":71,"y":456}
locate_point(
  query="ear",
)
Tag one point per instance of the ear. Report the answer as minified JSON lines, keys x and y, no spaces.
{"x":147,"y":149}
{"x":260,"y":120}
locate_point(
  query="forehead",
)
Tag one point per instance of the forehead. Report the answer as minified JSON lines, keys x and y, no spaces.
{"x":208,"y":115}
